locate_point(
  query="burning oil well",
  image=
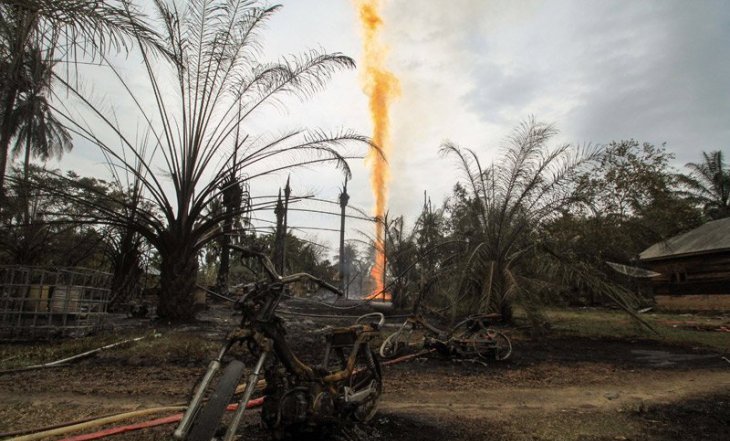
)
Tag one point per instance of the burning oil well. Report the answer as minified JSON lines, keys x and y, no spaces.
{"x":382,"y":87}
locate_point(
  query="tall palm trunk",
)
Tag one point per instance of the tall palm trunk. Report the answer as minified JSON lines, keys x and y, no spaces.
{"x":178,"y":275}
{"x":6,"y":131}
{"x":26,"y":179}
{"x":127,"y":270}
{"x":225,"y":266}
{"x":25,"y":24}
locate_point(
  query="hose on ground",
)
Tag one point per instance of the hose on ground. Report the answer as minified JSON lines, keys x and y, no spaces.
{"x":66,"y":428}
{"x":152,"y":423}
{"x":116,"y":416}
{"x":4,"y":435}
{"x":95,"y":422}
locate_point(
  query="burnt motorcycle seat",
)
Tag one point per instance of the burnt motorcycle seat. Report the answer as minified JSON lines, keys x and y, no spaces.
{"x":345,"y":336}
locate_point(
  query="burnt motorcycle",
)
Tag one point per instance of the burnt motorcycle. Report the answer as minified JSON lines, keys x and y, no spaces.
{"x":298,"y":397}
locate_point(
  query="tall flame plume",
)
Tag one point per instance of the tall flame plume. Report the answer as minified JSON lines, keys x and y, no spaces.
{"x":382,"y":87}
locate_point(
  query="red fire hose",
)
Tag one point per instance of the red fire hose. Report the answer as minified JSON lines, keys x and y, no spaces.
{"x":152,"y":423}
{"x":159,"y":421}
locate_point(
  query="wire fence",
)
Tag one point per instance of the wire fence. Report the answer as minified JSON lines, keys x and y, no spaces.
{"x":40,"y":302}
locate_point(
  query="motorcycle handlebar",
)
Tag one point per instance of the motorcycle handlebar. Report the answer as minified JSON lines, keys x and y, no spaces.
{"x":269,"y":268}
{"x":299,"y":276}
{"x":379,"y":315}
{"x":329,"y":287}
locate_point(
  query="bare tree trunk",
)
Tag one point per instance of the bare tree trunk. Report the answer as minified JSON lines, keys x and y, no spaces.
{"x":224,"y":267}
{"x":127,"y":271}
{"x":6,"y":133}
{"x":499,"y":291}
{"x":178,"y":275}
{"x":26,"y":180}
{"x":487,"y":289}
{"x":125,"y":284}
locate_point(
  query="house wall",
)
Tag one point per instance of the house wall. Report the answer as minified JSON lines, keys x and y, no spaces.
{"x":718,"y":302}
{"x":701,"y":280}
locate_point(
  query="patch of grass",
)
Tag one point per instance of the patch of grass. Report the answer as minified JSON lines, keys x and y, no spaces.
{"x":678,"y":329}
{"x":172,"y":347}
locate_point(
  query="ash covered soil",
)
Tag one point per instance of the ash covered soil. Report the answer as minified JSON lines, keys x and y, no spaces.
{"x":556,"y":388}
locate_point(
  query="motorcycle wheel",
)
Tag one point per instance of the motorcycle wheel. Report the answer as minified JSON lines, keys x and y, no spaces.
{"x":208,"y":419}
{"x":395,"y":344}
{"x":489,"y":343}
{"x":367,"y":370}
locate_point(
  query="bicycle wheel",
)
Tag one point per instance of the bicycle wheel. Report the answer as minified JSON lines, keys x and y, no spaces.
{"x":395,"y":344}
{"x":490,"y":343}
{"x":208,"y":418}
{"x":367,"y":374}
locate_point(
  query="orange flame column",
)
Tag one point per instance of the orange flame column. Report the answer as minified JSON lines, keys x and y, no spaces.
{"x":382,"y":87}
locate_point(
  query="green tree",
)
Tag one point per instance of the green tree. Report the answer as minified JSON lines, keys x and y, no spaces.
{"x":57,"y":29}
{"x":51,"y":235}
{"x":401,"y":259}
{"x":39,"y":133}
{"x":708,"y":184}
{"x":505,"y":210}
{"x":632,"y":202}
{"x":433,"y":252}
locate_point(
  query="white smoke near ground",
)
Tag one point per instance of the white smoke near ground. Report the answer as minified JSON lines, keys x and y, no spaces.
{"x":436,"y":53}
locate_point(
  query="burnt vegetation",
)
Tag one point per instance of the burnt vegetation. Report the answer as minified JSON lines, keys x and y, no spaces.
{"x":534,"y":227}
{"x":541,"y":227}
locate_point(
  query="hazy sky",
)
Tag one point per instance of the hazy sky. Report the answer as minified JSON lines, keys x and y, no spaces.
{"x":471,"y":70}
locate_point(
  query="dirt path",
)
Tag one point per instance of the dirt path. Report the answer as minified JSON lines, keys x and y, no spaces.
{"x":112,"y":401}
{"x":573,"y":389}
{"x":624,"y":390}
{"x":639,"y":393}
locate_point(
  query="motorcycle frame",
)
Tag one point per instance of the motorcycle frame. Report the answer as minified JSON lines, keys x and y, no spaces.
{"x":267,"y":334}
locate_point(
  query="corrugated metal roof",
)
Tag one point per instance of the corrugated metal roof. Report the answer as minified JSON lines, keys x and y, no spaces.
{"x":711,"y":237}
{"x":633,"y":271}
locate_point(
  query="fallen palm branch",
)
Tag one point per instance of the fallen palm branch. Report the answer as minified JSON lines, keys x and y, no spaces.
{"x":63,"y":361}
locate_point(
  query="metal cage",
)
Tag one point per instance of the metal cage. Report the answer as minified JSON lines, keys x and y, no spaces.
{"x":51,"y":302}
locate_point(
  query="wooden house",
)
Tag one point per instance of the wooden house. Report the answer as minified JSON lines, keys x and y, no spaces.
{"x":693,"y":267}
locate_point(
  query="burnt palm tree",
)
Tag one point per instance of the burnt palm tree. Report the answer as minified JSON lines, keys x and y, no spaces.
{"x":209,"y":91}
{"x":708,"y":184}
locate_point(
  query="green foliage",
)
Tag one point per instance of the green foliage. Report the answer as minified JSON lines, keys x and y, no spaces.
{"x":34,"y":34}
{"x":502,"y":212}
{"x":708,"y":185}
{"x":38,"y":130}
{"x":633,"y":189}
{"x":301,"y":256}
{"x":679,"y":329}
{"x":627,"y":178}
{"x":402,"y":254}
{"x":308,"y":257}
{"x":629,"y":202}
{"x":47,"y":231}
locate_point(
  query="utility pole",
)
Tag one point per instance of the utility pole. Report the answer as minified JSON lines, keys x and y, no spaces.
{"x":385,"y":252}
{"x":278,"y":251}
{"x":344,"y":199}
{"x":232,"y":195}
{"x":287,"y":193}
